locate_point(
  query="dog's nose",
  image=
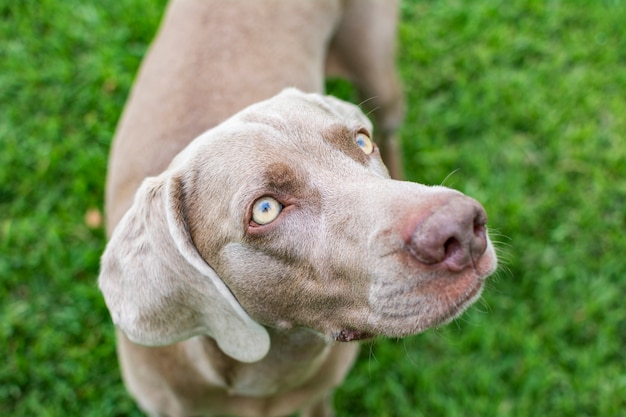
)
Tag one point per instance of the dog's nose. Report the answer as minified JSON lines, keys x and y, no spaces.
{"x":454,"y":235}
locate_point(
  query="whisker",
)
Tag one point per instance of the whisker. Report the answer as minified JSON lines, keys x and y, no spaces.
{"x":441,"y":333}
{"x":407,"y":354}
{"x":449,"y":176}
{"x":372,"y":111}
{"x":486,"y":307}
{"x":504,"y":242}
{"x":366,"y":100}
{"x":465,"y":318}
{"x":371,"y":356}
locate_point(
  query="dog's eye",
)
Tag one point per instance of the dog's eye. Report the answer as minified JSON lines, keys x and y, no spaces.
{"x":365,"y":143}
{"x":265,"y":210}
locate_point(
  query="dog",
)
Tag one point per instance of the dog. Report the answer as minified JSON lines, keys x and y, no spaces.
{"x":242,"y":263}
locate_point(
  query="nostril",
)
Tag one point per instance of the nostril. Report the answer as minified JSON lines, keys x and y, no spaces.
{"x":457,"y":254}
{"x":451,"y":246}
{"x":480,"y":227}
{"x":478,"y":243}
{"x":455,"y":235}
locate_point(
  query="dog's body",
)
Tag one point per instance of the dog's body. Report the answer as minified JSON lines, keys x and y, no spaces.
{"x":277,"y":235}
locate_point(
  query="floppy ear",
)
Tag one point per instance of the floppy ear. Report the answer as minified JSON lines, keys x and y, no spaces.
{"x":159,"y":289}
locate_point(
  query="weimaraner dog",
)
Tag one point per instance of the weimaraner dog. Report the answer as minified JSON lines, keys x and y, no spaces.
{"x":238,"y":272}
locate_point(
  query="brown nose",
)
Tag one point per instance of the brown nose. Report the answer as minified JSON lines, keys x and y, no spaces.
{"x":454,"y":235}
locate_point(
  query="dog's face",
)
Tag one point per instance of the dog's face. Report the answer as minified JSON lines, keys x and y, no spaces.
{"x":314,"y":232}
{"x":290,"y":206}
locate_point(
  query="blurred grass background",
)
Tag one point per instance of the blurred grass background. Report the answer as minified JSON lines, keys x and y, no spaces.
{"x":521,"y":104}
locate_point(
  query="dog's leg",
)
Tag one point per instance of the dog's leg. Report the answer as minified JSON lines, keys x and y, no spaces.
{"x":363,"y":51}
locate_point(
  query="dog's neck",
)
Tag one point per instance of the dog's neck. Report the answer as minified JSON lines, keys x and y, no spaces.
{"x":273,"y":374}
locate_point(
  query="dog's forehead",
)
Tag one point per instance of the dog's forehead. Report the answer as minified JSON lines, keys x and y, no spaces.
{"x":302,"y":131}
{"x":300,"y":124}
{"x":295,"y":112}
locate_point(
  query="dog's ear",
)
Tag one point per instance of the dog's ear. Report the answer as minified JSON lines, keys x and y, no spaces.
{"x":159,"y":289}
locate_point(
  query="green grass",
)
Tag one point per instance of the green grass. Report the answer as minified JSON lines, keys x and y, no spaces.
{"x":521,"y":104}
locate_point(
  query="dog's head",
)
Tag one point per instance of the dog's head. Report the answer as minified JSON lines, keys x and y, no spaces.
{"x":283,"y":216}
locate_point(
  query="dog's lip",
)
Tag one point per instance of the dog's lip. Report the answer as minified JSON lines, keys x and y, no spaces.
{"x":350,"y":335}
{"x":461,"y":303}
{"x":462,"y":289}
{"x":436,"y":304}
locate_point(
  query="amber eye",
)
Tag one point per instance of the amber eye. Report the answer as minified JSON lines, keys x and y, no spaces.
{"x":266,"y":210}
{"x":365,"y":143}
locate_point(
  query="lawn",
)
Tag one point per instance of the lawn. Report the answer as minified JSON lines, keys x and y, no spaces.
{"x":521,"y":104}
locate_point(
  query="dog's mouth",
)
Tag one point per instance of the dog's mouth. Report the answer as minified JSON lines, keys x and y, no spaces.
{"x":350,"y":335}
{"x":409,"y":317}
{"x":461,"y":304}
{"x":401,"y":310}
{"x":413,"y":318}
